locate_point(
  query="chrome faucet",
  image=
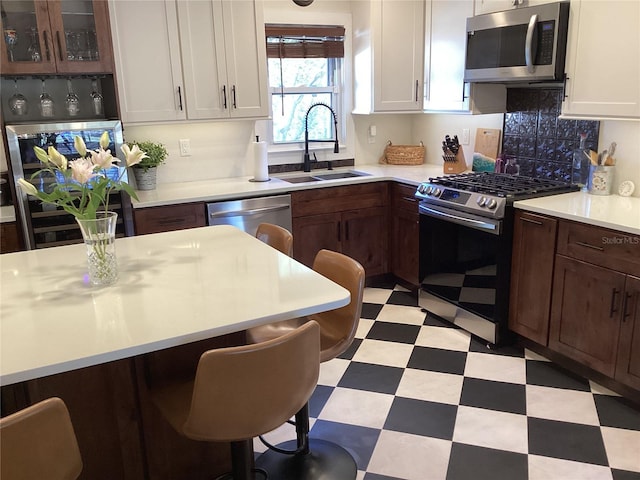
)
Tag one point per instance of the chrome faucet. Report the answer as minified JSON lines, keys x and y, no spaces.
{"x":336,"y":149}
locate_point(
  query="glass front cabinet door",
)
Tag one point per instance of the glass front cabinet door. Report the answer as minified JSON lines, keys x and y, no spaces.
{"x":55,"y":36}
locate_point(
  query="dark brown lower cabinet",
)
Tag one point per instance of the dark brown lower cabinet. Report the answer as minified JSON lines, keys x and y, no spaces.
{"x":10,"y":239}
{"x":628,"y":366}
{"x":586,"y":313}
{"x":405,"y":234}
{"x":534,"y":244}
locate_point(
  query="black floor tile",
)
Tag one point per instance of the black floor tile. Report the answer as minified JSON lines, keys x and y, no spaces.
{"x":468,"y":462}
{"x":394,"y":332}
{"x":435,"y":321}
{"x":403,"y":298}
{"x":318,"y":399}
{"x":351,"y":351}
{"x":568,"y":441}
{"x":624,"y":475}
{"x":617,"y":412}
{"x":372,"y":378}
{"x":420,"y":417}
{"x":547,"y":374}
{"x":359,"y":441}
{"x":480,"y":281}
{"x":370,"y":311}
{"x":437,"y":360}
{"x":480,"y":345}
{"x":504,"y":397}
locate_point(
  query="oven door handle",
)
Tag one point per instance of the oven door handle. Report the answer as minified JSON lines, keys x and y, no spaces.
{"x":485,"y":225}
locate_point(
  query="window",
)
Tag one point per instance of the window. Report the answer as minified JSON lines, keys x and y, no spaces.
{"x":305,"y":68}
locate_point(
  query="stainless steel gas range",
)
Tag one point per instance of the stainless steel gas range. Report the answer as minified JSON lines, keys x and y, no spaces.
{"x":466,"y":232}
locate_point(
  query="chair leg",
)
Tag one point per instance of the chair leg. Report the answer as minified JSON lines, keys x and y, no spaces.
{"x":317,"y":459}
{"x":242,"y":463}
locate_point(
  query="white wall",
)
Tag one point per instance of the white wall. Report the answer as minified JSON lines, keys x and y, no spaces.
{"x":627,"y":137}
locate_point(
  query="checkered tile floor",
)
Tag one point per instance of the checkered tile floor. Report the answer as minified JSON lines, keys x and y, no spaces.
{"x":417,"y":399}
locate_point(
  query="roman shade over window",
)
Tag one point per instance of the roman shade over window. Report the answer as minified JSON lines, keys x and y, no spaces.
{"x":304,"y":41}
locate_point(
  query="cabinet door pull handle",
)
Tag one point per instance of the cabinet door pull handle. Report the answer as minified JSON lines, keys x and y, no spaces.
{"x":464,"y":87}
{"x":564,"y":88}
{"x":346,"y":231}
{"x":180,"y":97}
{"x":59,"y":45}
{"x":224,"y":96}
{"x":530,"y":220}
{"x":46,"y":45}
{"x":593,"y":247}
{"x":613,"y":309}
{"x":339,"y":231}
{"x":417,"y":86}
{"x":233,"y":93}
{"x":626,"y":309}
{"x":409,"y":199}
{"x":171,"y":221}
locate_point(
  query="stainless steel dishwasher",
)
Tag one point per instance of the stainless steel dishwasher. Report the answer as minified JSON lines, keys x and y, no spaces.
{"x":248,"y":213}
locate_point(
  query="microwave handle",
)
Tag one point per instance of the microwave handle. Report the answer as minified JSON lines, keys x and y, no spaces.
{"x":528,"y":46}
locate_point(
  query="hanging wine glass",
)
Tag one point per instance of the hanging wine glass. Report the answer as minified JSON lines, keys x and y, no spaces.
{"x":17,"y":102}
{"x":96,"y":98}
{"x":11,"y":39}
{"x":46,"y":103}
{"x":34,"y":46}
{"x":72,"y":102}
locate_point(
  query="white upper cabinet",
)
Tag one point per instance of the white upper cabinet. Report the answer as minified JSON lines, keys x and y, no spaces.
{"x":388,"y":55}
{"x":489,"y":6}
{"x":603,"y":60}
{"x":219,"y":47}
{"x":445,"y":44}
{"x":224,"y":58}
{"x":147,"y":60}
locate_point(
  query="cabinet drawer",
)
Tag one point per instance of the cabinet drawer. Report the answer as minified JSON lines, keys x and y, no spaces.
{"x":338,"y":199}
{"x":600,"y":246}
{"x":168,"y":218}
{"x":402,"y":197}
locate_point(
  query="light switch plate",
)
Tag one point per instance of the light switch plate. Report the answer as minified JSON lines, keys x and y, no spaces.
{"x":185,"y":147}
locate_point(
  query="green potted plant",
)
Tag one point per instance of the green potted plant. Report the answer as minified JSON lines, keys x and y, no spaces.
{"x":145,"y":171}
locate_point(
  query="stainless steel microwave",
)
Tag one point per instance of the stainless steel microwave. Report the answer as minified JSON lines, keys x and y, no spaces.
{"x":521,"y":45}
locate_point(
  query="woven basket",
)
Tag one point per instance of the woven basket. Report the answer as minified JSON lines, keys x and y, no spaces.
{"x":403,"y":154}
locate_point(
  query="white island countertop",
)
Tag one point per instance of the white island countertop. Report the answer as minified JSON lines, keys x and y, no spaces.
{"x":174,"y":288}
{"x":608,"y":211}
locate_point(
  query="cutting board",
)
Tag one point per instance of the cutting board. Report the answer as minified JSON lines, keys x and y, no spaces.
{"x":486,"y":149}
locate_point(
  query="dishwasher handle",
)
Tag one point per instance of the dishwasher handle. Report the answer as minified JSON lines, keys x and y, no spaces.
{"x":249,"y":212}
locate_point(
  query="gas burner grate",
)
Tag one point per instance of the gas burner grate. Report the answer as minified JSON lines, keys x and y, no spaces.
{"x":502,"y":185}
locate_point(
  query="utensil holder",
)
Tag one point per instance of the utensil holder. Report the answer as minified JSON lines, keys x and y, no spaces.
{"x":600,"y":179}
{"x":454,"y":162}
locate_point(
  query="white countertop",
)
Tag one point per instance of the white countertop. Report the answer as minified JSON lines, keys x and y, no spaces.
{"x":609,"y":211}
{"x":174,"y":288}
{"x":241,"y":187}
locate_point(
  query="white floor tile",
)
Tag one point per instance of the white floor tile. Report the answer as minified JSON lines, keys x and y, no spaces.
{"x":597,"y":388}
{"x":560,"y":404}
{"x":531,"y":355}
{"x":488,"y":428}
{"x":401,"y":314}
{"x":331,"y":372}
{"x":357,"y":407}
{"x":391,"y":354}
{"x":364,"y":325}
{"x":443,"y":337}
{"x":430,"y":386}
{"x":623,"y":448}
{"x":376,"y":295}
{"x":410,"y":457}
{"x":496,"y":367}
{"x":546,"y":468}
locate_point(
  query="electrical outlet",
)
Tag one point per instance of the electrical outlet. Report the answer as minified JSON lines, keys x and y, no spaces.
{"x":185,"y":147}
{"x":372,"y":134}
{"x":465,"y":136}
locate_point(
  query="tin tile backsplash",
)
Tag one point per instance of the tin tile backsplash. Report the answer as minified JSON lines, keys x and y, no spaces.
{"x":541,"y":143}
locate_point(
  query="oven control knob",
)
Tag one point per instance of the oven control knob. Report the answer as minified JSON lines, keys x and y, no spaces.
{"x":482,"y":201}
{"x":429,"y":190}
{"x":491,"y":204}
{"x":422,"y":188}
{"x":437,"y":192}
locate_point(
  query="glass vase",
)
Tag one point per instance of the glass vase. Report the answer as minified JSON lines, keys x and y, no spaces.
{"x":100,"y":239}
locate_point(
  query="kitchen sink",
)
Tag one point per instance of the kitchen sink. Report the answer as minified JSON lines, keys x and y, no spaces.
{"x":324,"y":176}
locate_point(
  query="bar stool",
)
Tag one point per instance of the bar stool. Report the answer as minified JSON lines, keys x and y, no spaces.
{"x":278,"y":237}
{"x":241,"y":392}
{"x":39,"y":442}
{"x":305,"y":459}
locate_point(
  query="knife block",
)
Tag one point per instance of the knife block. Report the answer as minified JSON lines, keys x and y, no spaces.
{"x":454,"y":163}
